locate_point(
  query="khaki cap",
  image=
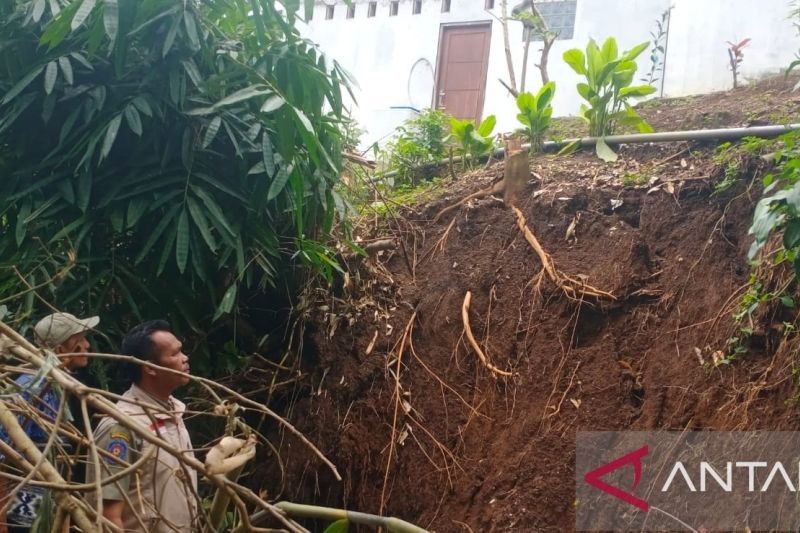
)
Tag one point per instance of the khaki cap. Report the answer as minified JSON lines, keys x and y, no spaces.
{"x":54,"y":329}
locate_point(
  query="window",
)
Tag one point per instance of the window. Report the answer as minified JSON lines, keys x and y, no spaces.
{"x":328,"y":12}
{"x":372,"y":8}
{"x":416,"y":9}
{"x":393,"y":8}
{"x":560,"y":18}
{"x":445,"y":6}
{"x":489,"y":4}
{"x":351,"y":11}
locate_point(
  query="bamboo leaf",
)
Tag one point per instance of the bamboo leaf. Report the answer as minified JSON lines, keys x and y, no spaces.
{"x":66,"y":69}
{"x":38,"y":10}
{"x":170,"y":38}
{"x":55,"y":9}
{"x":157,"y":232}
{"x":111,"y":136}
{"x":267,"y":155}
{"x":213,"y":208}
{"x":194,"y":73}
{"x":182,"y":242}
{"x":22,"y":226}
{"x":142,"y":105}
{"x":279,"y":182}
{"x":136,"y":208}
{"x":21,"y":84}
{"x":84,"y":190}
{"x":111,"y":19}
{"x":272,"y":103}
{"x":226,"y":304}
{"x":191,"y":28}
{"x":211,"y":131}
{"x":50,"y":76}
{"x":82,"y":14}
{"x":133,"y":119}
{"x":201,"y":222}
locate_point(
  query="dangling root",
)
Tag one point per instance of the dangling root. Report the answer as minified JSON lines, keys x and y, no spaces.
{"x":573,"y":288}
{"x":473,"y":342}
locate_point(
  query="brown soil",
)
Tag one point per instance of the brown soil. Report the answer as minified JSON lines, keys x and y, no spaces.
{"x":473,"y":452}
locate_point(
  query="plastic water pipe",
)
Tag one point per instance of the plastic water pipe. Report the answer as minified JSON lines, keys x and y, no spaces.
{"x":725,"y":134}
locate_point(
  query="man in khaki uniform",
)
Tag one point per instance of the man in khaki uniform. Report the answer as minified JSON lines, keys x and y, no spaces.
{"x":161,"y":496}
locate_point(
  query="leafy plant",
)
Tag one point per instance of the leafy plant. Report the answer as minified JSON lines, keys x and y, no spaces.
{"x":779,"y":208}
{"x":472,"y":142}
{"x":184,"y":151}
{"x":418,"y":142}
{"x":735,"y":58}
{"x":608,"y":89}
{"x":534,"y":24}
{"x":535,"y":113}
{"x":794,"y":14}
{"x":658,"y":48}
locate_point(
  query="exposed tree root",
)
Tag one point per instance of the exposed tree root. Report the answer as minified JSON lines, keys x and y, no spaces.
{"x":473,"y":342}
{"x":573,"y":288}
{"x":497,"y":188}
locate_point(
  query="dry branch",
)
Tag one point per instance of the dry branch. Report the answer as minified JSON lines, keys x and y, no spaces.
{"x":474,"y":343}
{"x":573,"y":288}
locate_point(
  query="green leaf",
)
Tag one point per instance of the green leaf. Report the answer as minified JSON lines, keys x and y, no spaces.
{"x":133,"y":119}
{"x":226,"y":304}
{"x":182,"y":242}
{"x":169,"y":40}
{"x":576,"y":59}
{"x":50,"y":75}
{"x":791,"y":235}
{"x":279,"y":182}
{"x":610,"y":50}
{"x":142,"y":105}
{"x":201,"y":222}
{"x":136,"y":208}
{"x":21,"y":84}
{"x":635,"y":51}
{"x":487,"y":126}
{"x":38,"y":10}
{"x":166,"y":220}
{"x":213,"y":208}
{"x":111,"y":19}
{"x":267,"y":155}
{"x":272,"y":103}
{"x":211,"y":131}
{"x":111,"y":136}
{"x":194,"y":73}
{"x":340,"y":526}
{"x":66,"y":69}
{"x":605,"y":152}
{"x":191,"y":29}
{"x":82,"y":14}
{"x":637,"y":91}
{"x":787,"y":301}
{"x":22,"y":226}
{"x":84,"y":190}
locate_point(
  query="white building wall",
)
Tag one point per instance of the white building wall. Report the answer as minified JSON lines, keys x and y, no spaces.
{"x":394,"y":58}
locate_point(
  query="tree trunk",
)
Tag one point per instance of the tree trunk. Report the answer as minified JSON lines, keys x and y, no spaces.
{"x":507,"y":43}
{"x":524,"y":73}
{"x":549,"y":39}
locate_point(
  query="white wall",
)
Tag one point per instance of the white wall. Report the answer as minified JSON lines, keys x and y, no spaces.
{"x":394,"y":58}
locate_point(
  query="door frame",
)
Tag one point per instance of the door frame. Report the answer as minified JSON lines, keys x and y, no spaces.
{"x":439,"y":58}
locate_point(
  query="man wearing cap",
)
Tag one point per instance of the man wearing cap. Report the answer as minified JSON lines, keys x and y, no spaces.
{"x":161,"y":496}
{"x":62,"y":333}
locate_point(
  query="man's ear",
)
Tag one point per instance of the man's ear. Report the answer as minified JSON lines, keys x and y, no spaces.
{"x":149,"y":370}
{"x":60,"y":349}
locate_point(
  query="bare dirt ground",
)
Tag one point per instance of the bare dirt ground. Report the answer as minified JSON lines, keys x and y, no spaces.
{"x":420,"y":429}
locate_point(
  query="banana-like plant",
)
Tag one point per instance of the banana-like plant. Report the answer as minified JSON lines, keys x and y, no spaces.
{"x":608,"y":89}
{"x":535,"y":113}
{"x":471,"y":141}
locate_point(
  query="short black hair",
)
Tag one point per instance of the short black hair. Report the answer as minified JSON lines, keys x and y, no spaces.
{"x":138,"y":343}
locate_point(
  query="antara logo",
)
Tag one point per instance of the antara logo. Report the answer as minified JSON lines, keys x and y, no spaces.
{"x":634,"y":459}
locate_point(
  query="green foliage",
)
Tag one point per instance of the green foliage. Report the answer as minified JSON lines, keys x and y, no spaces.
{"x":340,"y":526}
{"x":185,"y":151}
{"x":608,"y":88}
{"x":658,"y":48}
{"x":471,"y":142}
{"x":779,"y":208}
{"x":536,"y":113}
{"x":795,"y":16}
{"x":634,"y":179}
{"x":418,"y":142}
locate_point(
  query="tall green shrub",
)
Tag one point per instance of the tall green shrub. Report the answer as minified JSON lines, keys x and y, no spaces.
{"x":185,"y":151}
{"x":417,"y":143}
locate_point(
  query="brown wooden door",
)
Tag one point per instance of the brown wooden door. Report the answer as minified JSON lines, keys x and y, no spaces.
{"x":463,"y":61}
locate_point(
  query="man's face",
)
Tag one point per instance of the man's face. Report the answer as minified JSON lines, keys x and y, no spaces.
{"x":170,"y":355}
{"x":77,"y":344}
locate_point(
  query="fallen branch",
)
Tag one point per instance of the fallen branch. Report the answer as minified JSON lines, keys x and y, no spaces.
{"x":473,"y":342}
{"x":573,"y":288}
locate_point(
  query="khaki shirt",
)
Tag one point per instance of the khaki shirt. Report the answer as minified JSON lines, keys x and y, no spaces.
{"x":162,"y":490}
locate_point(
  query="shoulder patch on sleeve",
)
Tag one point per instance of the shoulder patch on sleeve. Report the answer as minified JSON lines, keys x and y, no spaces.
{"x":118,"y":449}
